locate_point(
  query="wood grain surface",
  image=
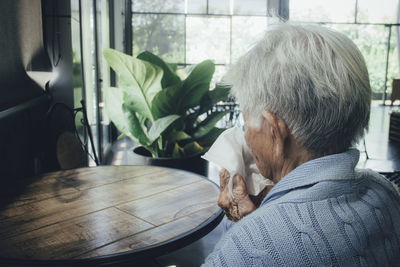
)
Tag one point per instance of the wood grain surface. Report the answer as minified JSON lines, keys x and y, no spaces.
{"x":103,"y":211}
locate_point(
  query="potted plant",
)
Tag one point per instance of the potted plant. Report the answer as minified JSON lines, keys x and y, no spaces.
{"x":171,"y":118}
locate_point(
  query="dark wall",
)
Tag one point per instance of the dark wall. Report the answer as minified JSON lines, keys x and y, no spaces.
{"x":22,"y":149}
{"x":35,"y":37}
{"x":21,"y":49}
{"x":57,"y":41}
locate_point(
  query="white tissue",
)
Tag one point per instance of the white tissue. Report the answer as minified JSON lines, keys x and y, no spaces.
{"x":231,"y":152}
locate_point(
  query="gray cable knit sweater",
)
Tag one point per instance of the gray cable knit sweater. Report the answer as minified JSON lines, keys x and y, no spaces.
{"x":323,"y":213}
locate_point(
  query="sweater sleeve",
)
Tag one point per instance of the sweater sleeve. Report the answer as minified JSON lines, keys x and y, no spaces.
{"x":354,"y":229}
{"x":236,"y":249}
{"x":240,"y":246}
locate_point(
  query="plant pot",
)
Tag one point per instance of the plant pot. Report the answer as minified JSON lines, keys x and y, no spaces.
{"x":193,"y":164}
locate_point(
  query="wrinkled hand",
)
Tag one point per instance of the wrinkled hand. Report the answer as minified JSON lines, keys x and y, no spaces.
{"x":242,"y":203}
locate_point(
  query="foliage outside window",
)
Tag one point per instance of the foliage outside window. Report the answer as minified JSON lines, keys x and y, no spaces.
{"x":367,"y":23}
{"x":187,"y":32}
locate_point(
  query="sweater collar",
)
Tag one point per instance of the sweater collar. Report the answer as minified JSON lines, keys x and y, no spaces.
{"x":332,"y":167}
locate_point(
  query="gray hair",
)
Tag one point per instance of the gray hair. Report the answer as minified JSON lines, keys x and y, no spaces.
{"x":314,"y":78}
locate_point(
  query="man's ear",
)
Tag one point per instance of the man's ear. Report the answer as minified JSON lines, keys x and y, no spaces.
{"x":278,"y":125}
{"x":279,"y":131}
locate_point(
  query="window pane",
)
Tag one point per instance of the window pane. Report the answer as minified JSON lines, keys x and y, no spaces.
{"x":219,"y":7}
{"x":75,"y":10}
{"x":250,"y":7}
{"x":245,"y":32}
{"x":76,"y":63}
{"x":197,"y":6}
{"x":103,"y":34}
{"x":322,"y":10}
{"x":393,"y":68}
{"x":76,"y":53}
{"x":207,"y":38}
{"x":374,"y":11}
{"x":372,"y":41}
{"x":218,"y":74}
{"x":89,"y":71}
{"x":162,"y":35}
{"x":220,"y":70}
{"x":158,"y":6}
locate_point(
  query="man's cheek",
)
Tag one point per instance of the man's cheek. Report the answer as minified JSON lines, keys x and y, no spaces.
{"x":264,"y":168}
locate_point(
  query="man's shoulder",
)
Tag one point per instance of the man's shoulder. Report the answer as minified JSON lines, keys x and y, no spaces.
{"x":363,"y":180}
{"x":300,"y":233}
{"x":371,"y":177}
{"x":330,"y":223}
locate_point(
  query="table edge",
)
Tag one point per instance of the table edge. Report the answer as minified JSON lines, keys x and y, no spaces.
{"x":141,"y":254}
{"x":125,"y":257}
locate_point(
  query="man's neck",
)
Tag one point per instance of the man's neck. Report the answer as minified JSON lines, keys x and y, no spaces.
{"x":295,"y":157}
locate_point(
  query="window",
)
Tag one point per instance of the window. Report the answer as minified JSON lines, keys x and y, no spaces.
{"x":372,"y":11}
{"x":322,"y":11}
{"x":186,"y":32}
{"x":208,"y":37}
{"x":160,"y":34}
{"x":189,"y":31}
{"x":370,"y":24}
{"x":90,"y":35}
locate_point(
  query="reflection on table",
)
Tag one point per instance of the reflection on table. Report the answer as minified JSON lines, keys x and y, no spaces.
{"x":105,"y":214}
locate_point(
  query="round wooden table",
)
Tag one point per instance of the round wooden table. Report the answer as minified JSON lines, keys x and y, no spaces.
{"x":103,"y":215}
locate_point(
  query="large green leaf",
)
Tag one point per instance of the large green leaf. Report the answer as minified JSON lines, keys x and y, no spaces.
{"x":212,"y":97}
{"x":174,"y":67}
{"x":192,"y":149}
{"x":209,"y":139}
{"x":205,"y":126}
{"x":136,"y":127}
{"x":113,"y":102}
{"x":169,"y":78}
{"x":197,"y":84}
{"x":178,"y":136}
{"x":177,"y":151}
{"x":167,"y":101}
{"x":177,"y":99}
{"x":140,"y":80}
{"x":160,"y":125}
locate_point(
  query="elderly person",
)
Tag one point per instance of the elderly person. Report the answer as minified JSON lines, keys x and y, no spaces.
{"x":305,"y":96}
